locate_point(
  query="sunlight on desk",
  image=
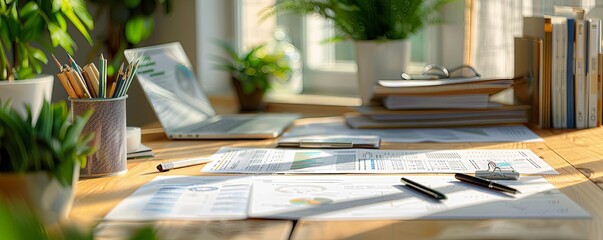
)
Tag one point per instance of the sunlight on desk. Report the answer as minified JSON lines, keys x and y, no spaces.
{"x":96,"y":197}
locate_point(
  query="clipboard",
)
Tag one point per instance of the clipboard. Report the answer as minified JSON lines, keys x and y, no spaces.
{"x":331,"y":141}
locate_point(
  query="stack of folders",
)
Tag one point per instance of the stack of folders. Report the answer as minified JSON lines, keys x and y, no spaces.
{"x":437,"y":103}
{"x":380,"y":117}
{"x":92,"y":82}
{"x":558,"y":59}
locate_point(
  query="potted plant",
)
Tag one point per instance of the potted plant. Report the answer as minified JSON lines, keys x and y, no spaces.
{"x":128,"y":24}
{"x":26,"y":28}
{"x":252,"y":73}
{"x":380,"y":30}
{"x":40,"y":160}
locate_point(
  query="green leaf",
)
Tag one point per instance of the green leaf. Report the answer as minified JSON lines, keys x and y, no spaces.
{"x":25,"y":72}
{"x":56,"y":5}
{"x":60,"y":37}
{"x":13,"y":27}
{"x":79,"y":7}
{"x":132,"y":3}
{"x":43,"y":126}
{"x":69,"y":8}
{"x":29,"y":9}
{"x":38,"y":54}
{"x":61,"y":20}
{"x":64,"y":172}
{"x":139,"y":28}
{"x":32,"y":28}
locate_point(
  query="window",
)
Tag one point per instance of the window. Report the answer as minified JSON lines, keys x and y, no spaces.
{"x":329,"y":68}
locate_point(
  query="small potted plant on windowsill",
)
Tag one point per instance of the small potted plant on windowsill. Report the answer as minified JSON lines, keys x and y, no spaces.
{"x":252,"y":73}
{"x":27,"y":27}
{"x":40,"y":160}
{"x":380,"y":30}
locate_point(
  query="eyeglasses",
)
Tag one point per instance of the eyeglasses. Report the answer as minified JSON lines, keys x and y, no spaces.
{"x":435,"y":71}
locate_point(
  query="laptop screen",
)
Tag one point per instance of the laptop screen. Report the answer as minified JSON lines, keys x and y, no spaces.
{"x":165,"y":75}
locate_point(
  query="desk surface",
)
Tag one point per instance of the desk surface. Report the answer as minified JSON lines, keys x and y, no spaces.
{"x":576,"y":154}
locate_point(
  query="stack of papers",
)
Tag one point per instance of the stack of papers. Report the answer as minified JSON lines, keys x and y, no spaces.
{"x":464,"y":101}
{"x":337,"y":198}
{"x":438,"y":103}
{"x":441,"y":87}
{"x":379,"y":117}
{"x":141,"y":152}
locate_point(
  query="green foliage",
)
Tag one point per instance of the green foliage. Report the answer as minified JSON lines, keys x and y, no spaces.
{"x":52,"y":143}
{"x":28,"y":26}
{"x":18,"y":222}
{"x":367,"y":19}
{"x":255,"y":68}
{"x":130,"y":23}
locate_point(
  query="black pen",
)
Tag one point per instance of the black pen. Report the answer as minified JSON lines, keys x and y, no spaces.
{"x":423,"y":189}
{"x":485,"y":183}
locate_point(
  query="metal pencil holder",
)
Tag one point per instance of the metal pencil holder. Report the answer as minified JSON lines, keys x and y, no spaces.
{"x":108,"y":123}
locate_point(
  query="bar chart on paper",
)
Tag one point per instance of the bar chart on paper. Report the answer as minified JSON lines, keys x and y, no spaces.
{"x":303,"y":160}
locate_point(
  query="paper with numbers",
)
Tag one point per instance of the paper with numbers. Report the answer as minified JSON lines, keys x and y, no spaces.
{"x":269,"y":160}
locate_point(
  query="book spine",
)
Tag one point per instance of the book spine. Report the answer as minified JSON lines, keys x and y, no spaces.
{"x":592,"y":70}
{"x":571,"y":114}
{"x":600,"y":86}
{"x":539,"y":98}
{"x":563,"y":72}
{"x":546,"y":83}
{"x":580,"y":75}
{"x":558,"y":73}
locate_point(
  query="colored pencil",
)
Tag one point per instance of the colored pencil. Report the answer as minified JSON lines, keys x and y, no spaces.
{"x":101,"y":79}
{"x":57,"y":62}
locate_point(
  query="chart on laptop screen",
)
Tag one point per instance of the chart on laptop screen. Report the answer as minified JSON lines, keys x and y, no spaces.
{"x":170,"y":85}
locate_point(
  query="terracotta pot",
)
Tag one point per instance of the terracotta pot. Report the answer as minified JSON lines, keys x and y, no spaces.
{"x":252,"y":102}
{"x":41,"y":192}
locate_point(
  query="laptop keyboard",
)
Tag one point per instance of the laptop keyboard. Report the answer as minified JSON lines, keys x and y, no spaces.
{"x":222,"y":125}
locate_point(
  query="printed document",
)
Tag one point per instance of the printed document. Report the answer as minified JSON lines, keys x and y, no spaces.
{"x":338,"y":197}
{"x":186,"y":198}
{"x":383,"y":197}
{"x":269,"y":160}
{"x":516,"y":133}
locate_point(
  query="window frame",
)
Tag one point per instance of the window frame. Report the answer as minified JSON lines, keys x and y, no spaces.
{"x":334,"y":78}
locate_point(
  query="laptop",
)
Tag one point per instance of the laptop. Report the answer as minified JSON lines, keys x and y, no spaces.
{"x":165,"y":75}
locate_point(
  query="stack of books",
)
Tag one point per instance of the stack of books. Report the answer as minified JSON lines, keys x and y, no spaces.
{"x":558,"y":58}
{"x":437,"y":103}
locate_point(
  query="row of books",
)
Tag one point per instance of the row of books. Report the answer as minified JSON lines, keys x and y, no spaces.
{"x":559,"y":57}
{"x":437,"y":103}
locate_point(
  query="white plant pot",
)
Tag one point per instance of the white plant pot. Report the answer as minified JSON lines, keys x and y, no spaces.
{"x":27,"y":91}
{"x":40,"y":192}
{"x":379,"y":60}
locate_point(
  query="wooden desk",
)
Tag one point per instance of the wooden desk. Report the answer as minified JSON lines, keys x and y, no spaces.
{"x":576,"y":154}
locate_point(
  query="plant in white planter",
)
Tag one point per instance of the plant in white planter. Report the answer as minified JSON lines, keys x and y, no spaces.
{"x":40,"y":160}
{"x":26,"y":28}
{"x":379,"y":28}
